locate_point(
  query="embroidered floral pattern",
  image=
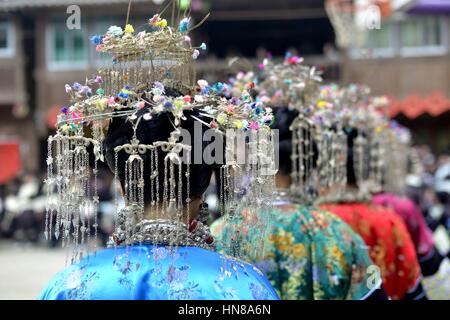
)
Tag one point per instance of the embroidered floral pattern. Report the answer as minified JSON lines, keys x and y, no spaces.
{"x":158,"y":272}
{"x":311,"y":254}
{"x":390,"y":245}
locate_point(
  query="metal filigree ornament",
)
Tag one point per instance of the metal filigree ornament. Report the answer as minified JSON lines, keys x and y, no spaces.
{"x":151,"y":74}
{"x":247,"y":181}
{"x":72,"y":197}
{"x":248,"y":207}
{"x":390,"y":149}
{"x":294,"y":85}
{"x":374,"y":162}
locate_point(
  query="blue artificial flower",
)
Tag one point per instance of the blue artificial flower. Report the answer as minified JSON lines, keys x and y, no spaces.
{"x":203,"y":46}
{"x":184,"y":25}
{"x":168,"y":105}
{"x":123,"y":95}
{"x":76,"y":86}
{"x":96,"y":39}
{"x":218,"y":86}
{"x":206,"y":90}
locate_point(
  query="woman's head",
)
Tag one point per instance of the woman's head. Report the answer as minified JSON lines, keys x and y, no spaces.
{"x":158,"y":128}
{"x":283,"y":120}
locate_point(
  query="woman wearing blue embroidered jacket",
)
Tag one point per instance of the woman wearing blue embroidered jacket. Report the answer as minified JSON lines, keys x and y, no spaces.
{"x":165,"y":259}
{"x":162,"y":246}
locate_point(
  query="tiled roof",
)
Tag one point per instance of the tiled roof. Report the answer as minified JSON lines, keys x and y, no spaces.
{"x":414,"y":105}
{"x":21,"y":4}
{"x":431,"y":6}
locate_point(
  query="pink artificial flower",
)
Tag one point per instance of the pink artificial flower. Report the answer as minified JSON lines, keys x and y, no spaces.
{"x":230,"y":108}
{"x":195,"y":54}
{"x":111,"y":101}
{"x":98,"y":79}
{"x":254,"y":125}
{"x":213,"y":124}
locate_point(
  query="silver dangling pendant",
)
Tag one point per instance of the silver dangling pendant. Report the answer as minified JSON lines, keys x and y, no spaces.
{"x":204,"y":213}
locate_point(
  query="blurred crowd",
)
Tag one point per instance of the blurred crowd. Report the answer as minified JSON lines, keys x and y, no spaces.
{"x":428,"y":185}
{"x":22,"y":204}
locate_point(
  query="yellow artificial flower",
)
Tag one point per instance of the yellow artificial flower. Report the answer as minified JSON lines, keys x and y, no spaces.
{"x":129,"y":28}
{"x":321,"y":104}
{"x":65,"y":128}
{"x":162,"y":23}
{"x":221,"y":118}
{"x":238,"y":124}
{"x":179,"y":103}
{"x":101,"y":104}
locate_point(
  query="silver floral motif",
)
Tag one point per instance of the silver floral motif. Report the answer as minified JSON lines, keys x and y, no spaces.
{"x":161,"y":232}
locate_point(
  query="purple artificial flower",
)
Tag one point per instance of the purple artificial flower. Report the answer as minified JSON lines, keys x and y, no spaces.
{"x":158,"y":85}
{"x":234,"y":101}
{"x":98,"y":79}
{"x":64,"y":109}
{"x":86,"y":90}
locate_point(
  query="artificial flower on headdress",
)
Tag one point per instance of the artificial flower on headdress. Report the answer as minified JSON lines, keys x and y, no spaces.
{"x":195,"y":54}
{"x":129,"y":28}
{"x":184,"y":25}
{"x":115,"y":31}
{"x":156,"y":21}
{"x":96,"y":39}
{"x":158,"y":89}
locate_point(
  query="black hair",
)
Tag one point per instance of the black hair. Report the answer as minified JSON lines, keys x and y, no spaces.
{"x":158,"y":128}
{"x":351,"y":133}
{"x":283,"y":120}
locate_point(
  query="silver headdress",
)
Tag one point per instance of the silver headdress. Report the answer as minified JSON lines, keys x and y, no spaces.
{"x":294,"y":85}
{"x":145,"y":66}
{"x":352,"y":108}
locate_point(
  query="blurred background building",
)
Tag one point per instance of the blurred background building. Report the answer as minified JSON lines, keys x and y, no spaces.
{"x":407,"y":58}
